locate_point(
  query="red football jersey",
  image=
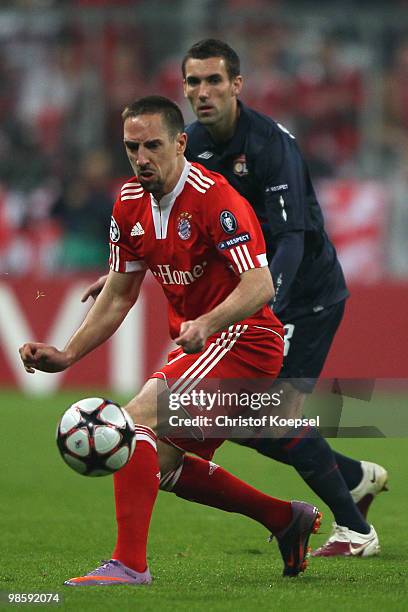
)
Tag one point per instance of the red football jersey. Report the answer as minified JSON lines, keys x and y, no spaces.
{"x":196,"y":241}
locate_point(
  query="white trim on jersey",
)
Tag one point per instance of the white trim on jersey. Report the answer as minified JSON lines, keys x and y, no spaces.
{"x":130,"y":266}
{"x":248,"y":255}
{"x":132,"y":185}
{"x":135,"y":266}
{"x":131,"y":191}
{"x":132,"y":197}
{"x":242,"y":258}
{"x":202,"y":176}
{"x":198,"y":180}
{"x":263,"y":260}
{"x":161,"y":210}
{"x":114,"y":258}
{"x":235,"y":258}
{"x":193,"y":184}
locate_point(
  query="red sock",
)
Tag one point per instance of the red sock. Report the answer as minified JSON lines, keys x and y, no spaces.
{"x":136,"y":486}
{"x":206,"y":483}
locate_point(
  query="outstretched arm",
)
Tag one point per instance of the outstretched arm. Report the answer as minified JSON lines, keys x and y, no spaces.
{"x":111,"y":307}
{"x":254,"y":290}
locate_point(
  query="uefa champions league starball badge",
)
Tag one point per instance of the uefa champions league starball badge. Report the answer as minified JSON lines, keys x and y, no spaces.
{"x":114,"y":230}
{"x":184,"y":225}
{"x":228,"y":222}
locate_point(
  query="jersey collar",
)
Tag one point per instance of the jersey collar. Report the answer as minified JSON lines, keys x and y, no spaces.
{"x":169,"y":198}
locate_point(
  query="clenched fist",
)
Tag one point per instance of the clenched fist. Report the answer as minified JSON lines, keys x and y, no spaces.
{"x":38,"y":356}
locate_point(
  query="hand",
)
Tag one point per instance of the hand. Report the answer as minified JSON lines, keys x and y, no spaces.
{"x":193,"y":335}
{"x":38,"y":356}
{"x":94,"y":289}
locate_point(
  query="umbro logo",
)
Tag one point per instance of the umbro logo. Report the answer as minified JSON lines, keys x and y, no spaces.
{"x":205,"y":155}
{"x":137,"y":229}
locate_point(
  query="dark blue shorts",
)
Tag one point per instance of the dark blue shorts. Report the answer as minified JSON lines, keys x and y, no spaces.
{"x":307,"y":343}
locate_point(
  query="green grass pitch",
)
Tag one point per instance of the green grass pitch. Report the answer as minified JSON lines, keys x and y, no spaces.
{"x":56,"y":524}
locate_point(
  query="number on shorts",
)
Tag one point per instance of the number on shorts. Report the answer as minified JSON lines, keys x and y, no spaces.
{"x":289,"y":329}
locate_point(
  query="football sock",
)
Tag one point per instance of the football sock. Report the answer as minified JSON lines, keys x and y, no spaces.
{"x":313,"y":459}
{"x":206,"y":483}
{"x":136,"y":486}
{"x":350,"y":468}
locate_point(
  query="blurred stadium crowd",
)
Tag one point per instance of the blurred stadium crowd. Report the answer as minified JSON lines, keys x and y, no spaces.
{"x":337,"y":78}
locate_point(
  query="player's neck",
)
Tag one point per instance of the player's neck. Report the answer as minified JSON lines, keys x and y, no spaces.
{"x":172,"y":181}
{"x":224,"y":130}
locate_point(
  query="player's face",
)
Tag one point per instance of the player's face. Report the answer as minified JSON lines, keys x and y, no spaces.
{"x":156,"y":157}
{"x":210,"y":91}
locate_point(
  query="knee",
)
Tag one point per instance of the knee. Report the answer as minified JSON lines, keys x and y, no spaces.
{"x":169,"y":478}
{"x":143,"y":407}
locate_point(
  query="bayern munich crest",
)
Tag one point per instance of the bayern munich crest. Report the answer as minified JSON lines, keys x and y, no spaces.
{"x":184,"y":226}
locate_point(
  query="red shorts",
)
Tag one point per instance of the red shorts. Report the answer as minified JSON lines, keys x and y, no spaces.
{"x":247,"y":353}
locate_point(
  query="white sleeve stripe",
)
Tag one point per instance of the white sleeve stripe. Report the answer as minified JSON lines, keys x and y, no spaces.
{"x":242,"y":258}
{"x":248,"y":256}
{"x":132,"y":197}
{"x":235,"y":258}
{"x":116,"y":256}
{"x":135,"y":266}
{"x":199,"y":181}
{"x":202,"y":176}
{"x":188,"y":180}
{"x":263,"y":260}
{"x":129,"y":190}
{"x":131,"y":185}
{"x":112,"y":258}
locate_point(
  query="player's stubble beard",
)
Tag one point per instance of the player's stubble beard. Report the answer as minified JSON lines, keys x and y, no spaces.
{"x":155,"y":187}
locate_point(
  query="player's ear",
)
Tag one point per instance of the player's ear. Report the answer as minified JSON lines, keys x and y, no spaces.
{"x":237,"y":85}
{"x":181,"y":142}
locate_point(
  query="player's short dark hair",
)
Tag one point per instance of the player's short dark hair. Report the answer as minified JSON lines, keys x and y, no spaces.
{"x":151,"y":105}
{"x":212,"y":47}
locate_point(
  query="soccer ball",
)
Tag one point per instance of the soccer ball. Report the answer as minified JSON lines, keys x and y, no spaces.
{"x":96,"y":437}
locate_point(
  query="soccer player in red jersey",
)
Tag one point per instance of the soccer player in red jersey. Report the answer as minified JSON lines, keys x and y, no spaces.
{"x":203,"y":243}
{"x":261,"y":159}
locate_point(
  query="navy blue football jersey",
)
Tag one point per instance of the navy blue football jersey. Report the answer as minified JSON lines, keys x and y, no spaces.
{"x":263,"y":162}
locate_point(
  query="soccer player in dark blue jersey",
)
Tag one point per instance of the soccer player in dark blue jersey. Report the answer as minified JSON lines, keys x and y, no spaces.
{"x":261,"y":159}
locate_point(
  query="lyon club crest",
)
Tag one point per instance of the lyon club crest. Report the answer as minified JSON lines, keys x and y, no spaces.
{"x":240,"y":167}
{"x":184,"y":225}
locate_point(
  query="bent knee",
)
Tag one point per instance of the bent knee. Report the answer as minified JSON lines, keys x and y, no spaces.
{"x":143,"y":407}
